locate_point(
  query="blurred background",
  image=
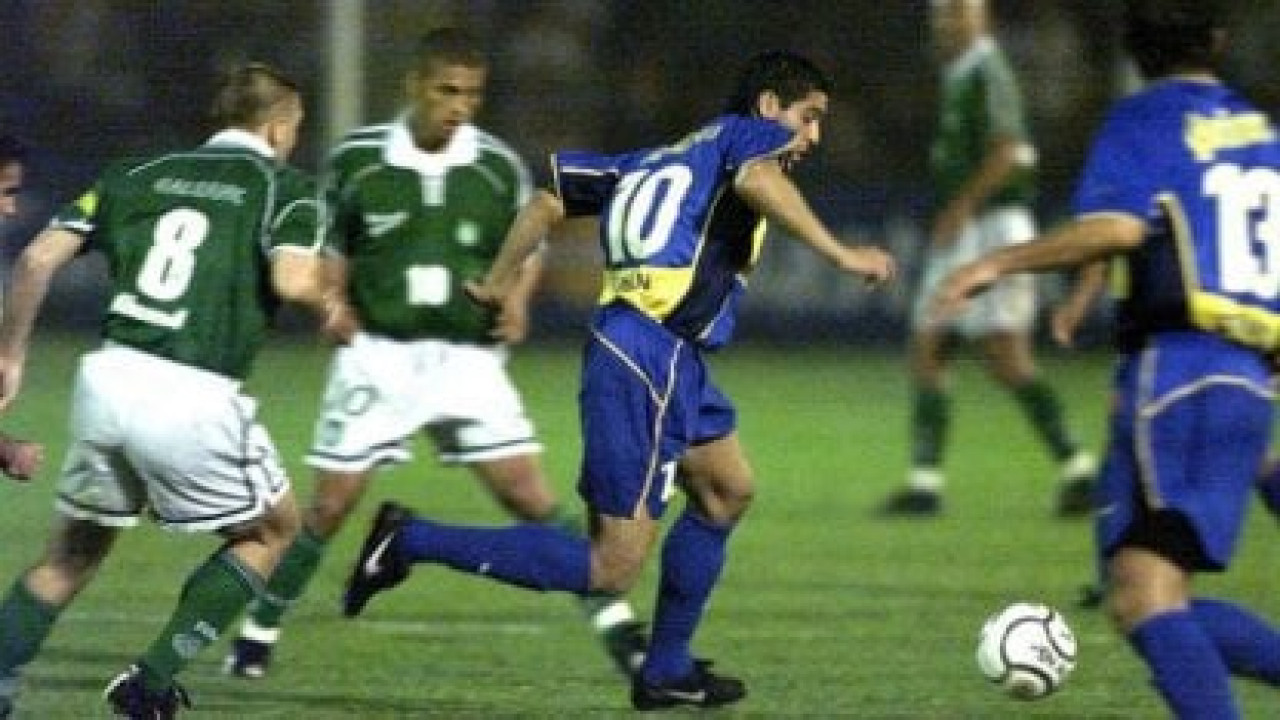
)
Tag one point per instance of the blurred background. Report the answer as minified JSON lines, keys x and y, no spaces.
{"x":85,"y":81}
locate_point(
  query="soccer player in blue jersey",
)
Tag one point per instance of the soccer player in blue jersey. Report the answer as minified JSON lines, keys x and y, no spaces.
{"x":19,"y":459}
{"x":1182,"y":188}
{"x":680,"y":229}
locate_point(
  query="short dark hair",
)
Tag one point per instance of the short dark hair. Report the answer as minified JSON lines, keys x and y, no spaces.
{"x":451,"y":46}
{"x":248,"y":93}
{"x":790,"y":75}
{"x":12,"y":150}
{"x":1168,"y":36}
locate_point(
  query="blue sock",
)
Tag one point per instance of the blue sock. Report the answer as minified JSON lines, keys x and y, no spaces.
{"x":530,"y":556}
{"x":1186,"y":667}
{"x":1248,"y":644}
{"x":692,"y":557}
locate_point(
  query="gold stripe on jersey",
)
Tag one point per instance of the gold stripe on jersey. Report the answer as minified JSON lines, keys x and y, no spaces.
{"x":656,"y":291}
{"x":1182,"y":240}
{"x":1249,"y":325}
{"x":653,"y":291}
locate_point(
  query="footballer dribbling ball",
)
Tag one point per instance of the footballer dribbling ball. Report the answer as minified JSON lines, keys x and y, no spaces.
{"x":1027,"y":650}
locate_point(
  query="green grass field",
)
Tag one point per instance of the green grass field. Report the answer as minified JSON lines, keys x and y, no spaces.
{"x":825,"y":610}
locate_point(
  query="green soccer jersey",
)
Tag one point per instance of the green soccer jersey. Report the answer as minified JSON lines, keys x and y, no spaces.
{"x":980,"y":101}
{"x":416,"y":226}
{"x":188,"y":239}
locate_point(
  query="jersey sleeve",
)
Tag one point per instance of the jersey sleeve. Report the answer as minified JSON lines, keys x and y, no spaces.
{"x":297,"y":223}
{"x":339,"y":218}
{"x":744,"y":140}
{"x":1114,"y":179}
{"x":584,"y":180}
{"x":1003,"y":100}
{"x":80,"y":215}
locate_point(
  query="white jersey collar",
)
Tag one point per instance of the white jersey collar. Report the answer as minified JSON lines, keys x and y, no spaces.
{"x":402,"y":151}
{"x":242,"y":138}
{"x":977,"y":52}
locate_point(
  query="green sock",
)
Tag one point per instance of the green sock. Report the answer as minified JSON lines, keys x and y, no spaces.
{"x":592,"y":603}
{"x":291,"y":577}
{"x":25,"y":622}
{"x":214,"y":595}
{"x":930,"y":420}
{"x":1043,"y":408}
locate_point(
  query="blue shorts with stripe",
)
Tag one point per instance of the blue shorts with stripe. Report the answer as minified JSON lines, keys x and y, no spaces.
{"x":1190,"y":426}
{"x":646,"y":398}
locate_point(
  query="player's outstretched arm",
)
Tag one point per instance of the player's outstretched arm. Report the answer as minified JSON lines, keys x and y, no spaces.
{"x":1077,"y":242}
{"x":535,"y":220}
{"x":50,"y":250}
{"x":768,"y":190}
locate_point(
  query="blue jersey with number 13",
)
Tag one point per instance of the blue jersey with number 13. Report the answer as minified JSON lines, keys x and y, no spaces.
{"x":677,"y":239}
{"x":1202,"y":167}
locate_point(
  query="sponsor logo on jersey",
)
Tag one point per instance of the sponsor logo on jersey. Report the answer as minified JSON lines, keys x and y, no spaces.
{"x":1206,"y":135}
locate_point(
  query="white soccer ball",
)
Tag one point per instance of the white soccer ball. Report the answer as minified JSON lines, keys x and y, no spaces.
{"x":1027,"y":650}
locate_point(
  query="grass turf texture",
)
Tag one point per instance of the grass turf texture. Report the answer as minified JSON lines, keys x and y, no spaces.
{"x":825,"y":610}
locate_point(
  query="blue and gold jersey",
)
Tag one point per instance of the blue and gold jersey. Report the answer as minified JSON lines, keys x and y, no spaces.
{"x":677,"y":240}
{"x":1201,"y":167}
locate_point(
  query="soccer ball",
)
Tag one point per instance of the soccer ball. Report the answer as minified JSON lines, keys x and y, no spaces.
{"x":1027,"y":650}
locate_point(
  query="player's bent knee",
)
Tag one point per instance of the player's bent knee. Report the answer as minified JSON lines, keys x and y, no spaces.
{"x":726,"y":504}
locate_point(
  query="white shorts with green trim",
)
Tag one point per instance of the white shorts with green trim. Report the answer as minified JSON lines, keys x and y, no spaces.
{"x":151,"y":434}
{"x":1009,"y":305}
{"x":381,"y":391}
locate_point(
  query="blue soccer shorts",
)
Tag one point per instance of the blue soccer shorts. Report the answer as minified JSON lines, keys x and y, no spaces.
{"x":1189,"y":430}
{"x":646,"y":398}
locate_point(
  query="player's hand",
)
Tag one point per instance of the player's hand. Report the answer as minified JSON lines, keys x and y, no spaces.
{"x":953,"y":294}
{"x":1067,"y":319}
{"x":875,"y":265}
{"x":339,"y":323}
{"x":487,"y":292}
{"x":513,"y":323}
{"x":20,"y":459}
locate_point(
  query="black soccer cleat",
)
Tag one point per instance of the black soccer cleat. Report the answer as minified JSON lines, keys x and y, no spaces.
{"x":627,"y":642}
{"x":380,"y":565}
{"x":248,"y":659}
{"x":129,"y":698}
{"x":911,"y":502}
{"x":700,"y":688}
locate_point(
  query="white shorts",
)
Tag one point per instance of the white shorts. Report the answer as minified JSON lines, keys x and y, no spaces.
{"x":150,"y":433}
{"x":1010,"y":304}
{"x":381,"y":391}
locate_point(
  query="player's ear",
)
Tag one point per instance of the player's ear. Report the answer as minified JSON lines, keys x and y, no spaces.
{"x":768,"y":104}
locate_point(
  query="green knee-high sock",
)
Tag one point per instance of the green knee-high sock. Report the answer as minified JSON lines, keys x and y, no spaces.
{"x":930,"y":421}
{"x":592,"y":603}
{"x":1043,"y":408}
{"x":25,"y":622}
{"x":213,"y":596}
{"x":291,"y":577}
